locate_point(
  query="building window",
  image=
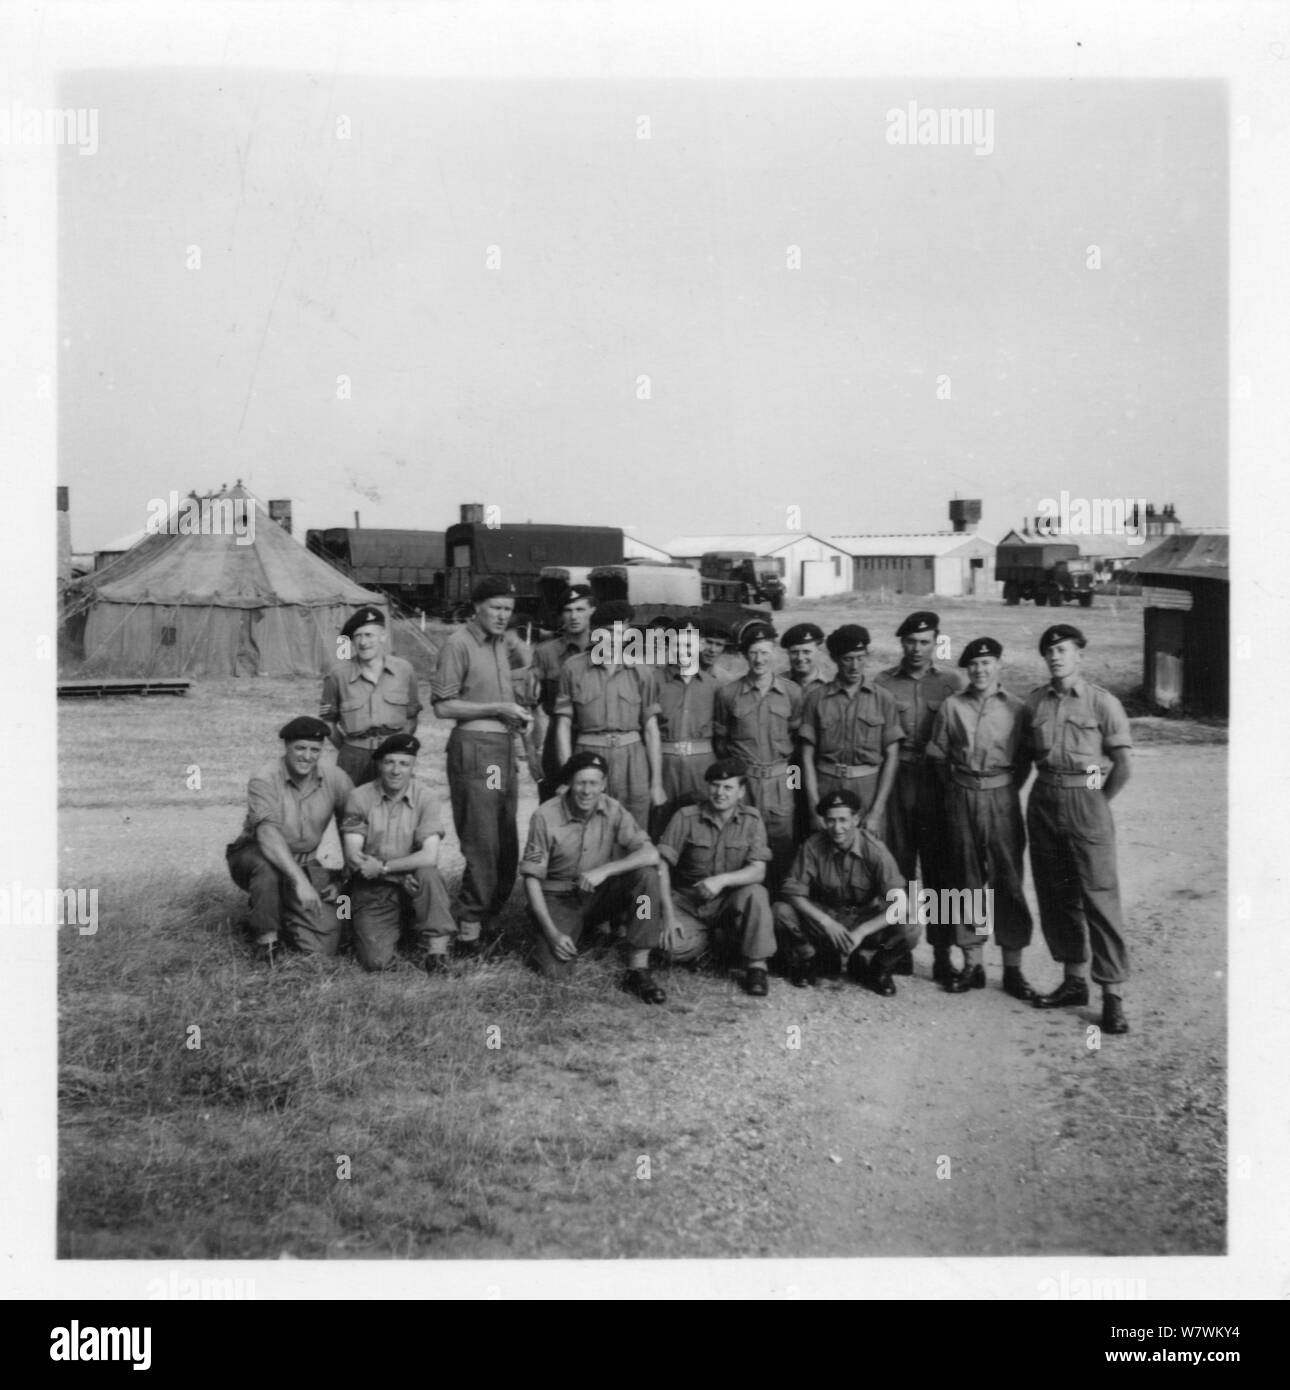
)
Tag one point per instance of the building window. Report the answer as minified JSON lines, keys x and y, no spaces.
{"x":167,"y":636}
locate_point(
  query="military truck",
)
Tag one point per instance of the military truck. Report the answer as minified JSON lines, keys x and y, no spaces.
{"x":407,"y":565}
{"x":675,"y":591}
{"x":1048,"y":572}
{"x":757,"y":576}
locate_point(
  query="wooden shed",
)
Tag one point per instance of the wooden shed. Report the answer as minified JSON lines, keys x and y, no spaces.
{"x":1186,"y":623}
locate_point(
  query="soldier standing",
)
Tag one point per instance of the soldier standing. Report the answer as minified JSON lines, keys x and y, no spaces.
{"x":916,"y":828}
{"x":611,"y":708}
{"x":368,"y":697}
{"x":1071,"y":728}
{"x":687,"y":696}
{"x":473,"y":686}
{"x":802,"y":643}
{"x":975,"y":748}
{"x":755,"y":720}
{"x":549,"y":659}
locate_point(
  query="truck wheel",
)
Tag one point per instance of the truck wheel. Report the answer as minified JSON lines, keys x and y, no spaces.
{"x":1086,"y":600}
{"x":777,"y":602}
{"x":1011,"y":594}
{"x":1055,"y":597}
{"x":1041,"y":599}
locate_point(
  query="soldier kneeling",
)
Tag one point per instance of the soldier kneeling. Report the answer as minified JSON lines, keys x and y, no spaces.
{"x":392,"y":829}
{"x":587,"y":862}
{"x":835,"y":900}
{"x":713,"y":869}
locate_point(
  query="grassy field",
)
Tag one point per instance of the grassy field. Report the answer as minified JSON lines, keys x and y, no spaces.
{"x":326,"y":1113}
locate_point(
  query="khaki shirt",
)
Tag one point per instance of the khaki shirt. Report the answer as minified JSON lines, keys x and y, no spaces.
{"x":392,"y":826}
{"x":918,"y":699}
{"x":685,"y":707}
{"x":859,"y":876}
{"x":606,"y":699}
{"x":1071,"y":732}
{"x":549,"y":659}
{"x":563,"y":846}
{"x":300,"y":811}
{"x":854,"y":730}
{"x":474,"y":666}
{"x":697,"y":844}
{"x":363,"y":707}
{"x":978,"y":735}
{"x":757,"y":726}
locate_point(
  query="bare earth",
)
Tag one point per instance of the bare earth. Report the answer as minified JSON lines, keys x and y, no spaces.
{"x":921,"y":1125}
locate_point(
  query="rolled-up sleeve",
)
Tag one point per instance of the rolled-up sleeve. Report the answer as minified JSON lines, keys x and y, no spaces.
{"x":537,"y":850}
{"x":628,"y":835}
{"x":1115,"y":725}
{"x":449,"y":672}
{"x":800,"y":876}
{"x":354,"y":820}
{"x":673,"y":841}
{"x":564,"y":693}
{"x":329,"y":705}
{"x":264,"y":804}
{"x":758,"y":845}
{"x":429,"y":822}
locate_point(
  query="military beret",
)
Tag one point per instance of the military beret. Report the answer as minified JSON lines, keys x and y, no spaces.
{"x":491,"y":586}
{"x":1061,"y":632}
{"x":922,"y":621}
{"x":575,"y":592}
{"x":849,"y":638}
{"x":832,"y":800}
{"x":580,"y":762}
{"x":661,"y":622}
{"x":803,"y":632}
{"x":361,"y":619}
{"x":714,"y":628}
{"x":397,"y":743}
{"x":725,"y":768}
{"x":980,"y":646}
{"x":611,"y":612}
{"x":305,"y":726}
{"x":753,"y":632}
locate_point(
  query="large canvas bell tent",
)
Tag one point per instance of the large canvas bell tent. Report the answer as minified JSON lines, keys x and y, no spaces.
{"x":196,"y":598}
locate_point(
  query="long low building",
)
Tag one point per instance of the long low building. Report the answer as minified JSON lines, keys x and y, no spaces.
{"x":951,"y":564}
{"x":810,"y":566}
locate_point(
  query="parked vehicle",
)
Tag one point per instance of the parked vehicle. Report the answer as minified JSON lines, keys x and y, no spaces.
{"x":1047,"y":572}
{"x":757,"y":576}
{"x":674,"y":590}
{"x":408,"y":565}
{"x":519,"y":554}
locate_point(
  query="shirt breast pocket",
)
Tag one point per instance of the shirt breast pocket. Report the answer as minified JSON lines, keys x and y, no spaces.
{"x":1042,"y":737}
{"x":1084,"y":738}
{"x":868,"y":732}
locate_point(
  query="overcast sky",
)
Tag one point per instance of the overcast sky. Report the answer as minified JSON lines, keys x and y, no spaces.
{"x":623,"y":258}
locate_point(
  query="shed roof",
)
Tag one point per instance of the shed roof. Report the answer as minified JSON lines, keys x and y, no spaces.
{"x":757,"y":544}
{"x":1203,"y":555}
{"x":933,"y":543}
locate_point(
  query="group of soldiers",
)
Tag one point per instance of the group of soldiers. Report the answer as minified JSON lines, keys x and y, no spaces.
{"x":684,"y":813}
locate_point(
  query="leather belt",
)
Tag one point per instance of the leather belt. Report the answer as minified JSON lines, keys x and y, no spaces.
{"x":1068,"y":779}
{"x":980,"y":781}
{"x":483,"y":726}
{"x":832,"y":769}
{"x":688,"y":747}
{"x":616,"y":739}
{"x":764,"y":771}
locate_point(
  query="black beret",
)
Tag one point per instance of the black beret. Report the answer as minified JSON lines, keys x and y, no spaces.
{"x":832,"y":800}
{"x":662,"y":622}
{"x":613,"y":611}
{"x":846,"y":639}
{"x":304,"y":726}
{"x":575,"y":592}
{"x":714,"y":628}
{"x":725,"y":768}
{"x":580,"y":762}
{"x":1061,"y":632}
{"x":980,"y":646}
{"x":803,"y":632}
{"x":361,"y":619}
{"x":755,"y":631}
{"x":922,"y":621}
{"x":491,"y":586}
{"x":397,"y":743}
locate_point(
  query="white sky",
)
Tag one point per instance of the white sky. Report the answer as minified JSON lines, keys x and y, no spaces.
{"x":621,"y":257}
